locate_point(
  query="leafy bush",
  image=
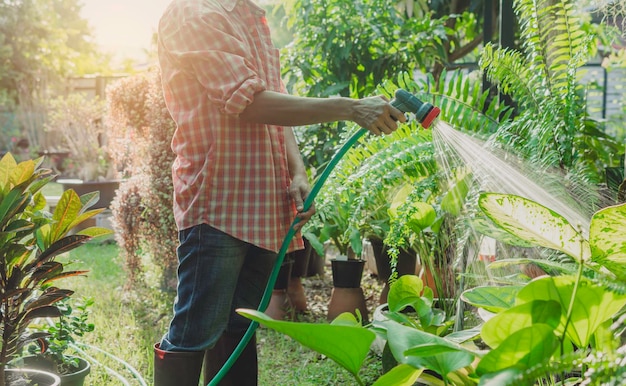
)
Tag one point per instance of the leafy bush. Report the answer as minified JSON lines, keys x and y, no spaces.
{"x":142,"y":210}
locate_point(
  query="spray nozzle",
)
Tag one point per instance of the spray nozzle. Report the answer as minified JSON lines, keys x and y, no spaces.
{"x":408,"y":103}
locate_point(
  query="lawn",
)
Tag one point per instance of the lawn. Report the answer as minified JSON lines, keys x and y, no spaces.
{"x":129,"y":320}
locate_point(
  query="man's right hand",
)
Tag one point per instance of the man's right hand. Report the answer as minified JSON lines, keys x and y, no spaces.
{"x":377,"y":115}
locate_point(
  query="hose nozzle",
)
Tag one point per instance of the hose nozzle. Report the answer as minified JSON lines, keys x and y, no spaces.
{"x":408,"y":103}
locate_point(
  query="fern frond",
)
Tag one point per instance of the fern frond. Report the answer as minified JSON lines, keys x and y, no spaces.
{"x":511,"y":73}
{"x":561,"y":365}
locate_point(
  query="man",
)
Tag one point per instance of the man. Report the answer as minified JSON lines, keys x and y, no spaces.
{"x":239,"y":179}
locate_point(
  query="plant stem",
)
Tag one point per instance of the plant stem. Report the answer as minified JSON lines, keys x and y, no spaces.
{"x":570,"y":308}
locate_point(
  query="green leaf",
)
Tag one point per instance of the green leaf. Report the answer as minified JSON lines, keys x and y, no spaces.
{"x":12,"y":203}
{"x":405,"y":291}
{"x":523,"y":349}
{"x":546,"y":265}
{"x":63,"y":245}
{"x":430,"y":349}
{"x":402,"y":338}
{"x":399,"y":199}
{"x":89,"y":199}
{"x":82,"y":217}
{"x":493,"y":299}
{"x":94,"y":232}
{"x":50,"y":296}
{"x":454,"y":199}
{"x":486,"y":227}
{"x":66,"y":211}
{"x":346,"y":345}
{"x":506,"y":323}
{"x":510,"y":376}
{"x":593,"y":305}
{"x":607,"y":238}
{"x":423,"y":217}
{"x":401,"y":375}
{"x":534,"y":223}
{"x":346,"y":319}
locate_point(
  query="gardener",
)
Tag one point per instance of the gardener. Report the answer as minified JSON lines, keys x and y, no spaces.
{"x":239,"y":179}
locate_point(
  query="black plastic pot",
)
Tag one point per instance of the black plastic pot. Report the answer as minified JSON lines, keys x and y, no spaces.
{"x":347,"y":273}
{"x":282,"y":280}
{"x":405,"y":265}
{"x":316,"y":264}
{"x":300,"y":260}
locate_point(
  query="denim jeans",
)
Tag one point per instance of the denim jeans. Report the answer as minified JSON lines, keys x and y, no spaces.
{"x":217,"y":274}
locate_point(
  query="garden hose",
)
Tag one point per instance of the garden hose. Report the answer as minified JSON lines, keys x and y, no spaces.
{"x":425,"y":113}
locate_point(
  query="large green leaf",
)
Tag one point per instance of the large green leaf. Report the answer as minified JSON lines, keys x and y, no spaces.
{"x":534,"y":223}
{"x":424,"y":214}
{"x":607,"y":238}
{"x":546,"y":265}
{"x":13,"y":203}
{"x":454,"y":199}
{"x":510,"y":376}
{"x":7,"y":166}
{"x":405,"y":291}
{"x":401,"y":375}
{"x":433,"y":352}
{"x":493,"y":299}
{"x":346,"y":345}
{"x":593,"y":305}
{"x":486,"y":227}
{"x":523,"y":349}
{"x":497,"y":329}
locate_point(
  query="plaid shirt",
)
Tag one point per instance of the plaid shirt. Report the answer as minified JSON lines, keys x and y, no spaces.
{"x":231,"y":174}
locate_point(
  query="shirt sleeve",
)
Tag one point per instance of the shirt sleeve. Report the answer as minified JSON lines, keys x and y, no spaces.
{"x":212,"y":50}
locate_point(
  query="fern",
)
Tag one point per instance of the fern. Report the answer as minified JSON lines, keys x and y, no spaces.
{"x":550,"y":128}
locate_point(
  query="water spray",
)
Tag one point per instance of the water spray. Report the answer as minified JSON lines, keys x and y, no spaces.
{"x":425,"y":113}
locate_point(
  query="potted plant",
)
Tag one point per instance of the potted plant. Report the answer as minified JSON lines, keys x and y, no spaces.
{"x":329,"y":227}
{"x":31,"y":239}
{"x":50,"y":352}
{"x":552,"y":330}
{"x":89,"y":167}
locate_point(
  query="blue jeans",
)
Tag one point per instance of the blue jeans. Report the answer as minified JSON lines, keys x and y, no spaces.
{"x":217,"y":274}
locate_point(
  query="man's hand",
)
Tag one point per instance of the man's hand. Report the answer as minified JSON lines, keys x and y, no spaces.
{"x":299,"y":190}
{"x":377,"y":115}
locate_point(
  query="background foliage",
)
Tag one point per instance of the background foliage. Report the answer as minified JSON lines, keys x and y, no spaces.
{"x":142,"y":209}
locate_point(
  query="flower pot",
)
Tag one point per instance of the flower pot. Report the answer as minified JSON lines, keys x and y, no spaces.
{"x":25,"y":377}
{"x":295,"y":289}
{"x":300,"y":260}
{"x":74,"y":378}
{"x":316,"y":264}
{"x":347,"y":273}
{"x":77,"y":378}
{"x":107,"y":189}
{"x":347,"y":294}
{"x":280,"y":307}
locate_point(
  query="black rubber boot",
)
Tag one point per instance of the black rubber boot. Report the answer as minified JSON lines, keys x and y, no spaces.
{"x":177,"y":368}
{"x":244,"y":371}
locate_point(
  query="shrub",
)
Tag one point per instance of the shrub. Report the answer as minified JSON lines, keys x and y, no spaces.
{"x":142,"y":211}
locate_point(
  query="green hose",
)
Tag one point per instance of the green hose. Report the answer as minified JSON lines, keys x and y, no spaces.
{"x":265,"y":300}
{"x":403,"y":101}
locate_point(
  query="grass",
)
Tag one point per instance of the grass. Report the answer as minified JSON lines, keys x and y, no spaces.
{"x":129,"y":321}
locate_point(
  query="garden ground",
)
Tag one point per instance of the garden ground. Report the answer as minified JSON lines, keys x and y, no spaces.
{"x":129,"y":320}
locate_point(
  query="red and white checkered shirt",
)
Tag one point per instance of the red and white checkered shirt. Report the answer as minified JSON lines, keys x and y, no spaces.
{"x":228,"y":173}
